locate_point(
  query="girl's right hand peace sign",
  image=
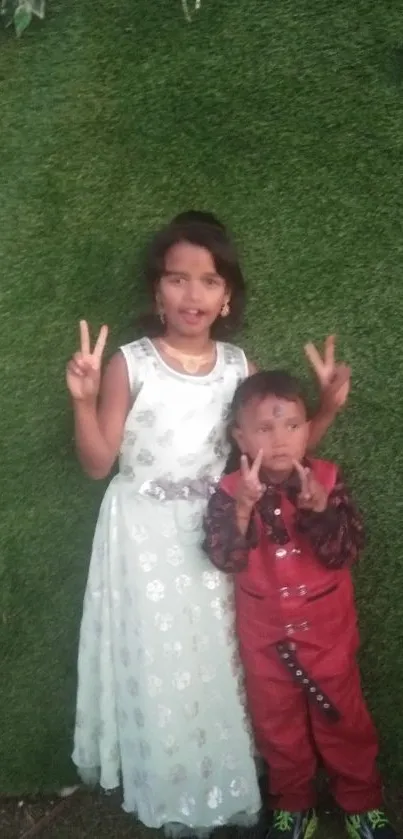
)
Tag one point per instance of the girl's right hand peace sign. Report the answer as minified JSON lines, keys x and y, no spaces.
{"x":250,"y":489}
{"x":83,"y":373}
{"x":334,"y":378}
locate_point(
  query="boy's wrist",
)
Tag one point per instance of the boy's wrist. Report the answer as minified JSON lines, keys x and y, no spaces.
{"x":244,"y":510}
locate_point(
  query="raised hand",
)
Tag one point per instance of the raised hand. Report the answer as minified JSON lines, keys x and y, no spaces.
{"x":334,"y":379}
{"x":312,"y":495}
{"x":250,"y":489}
{"x":83,"y":372}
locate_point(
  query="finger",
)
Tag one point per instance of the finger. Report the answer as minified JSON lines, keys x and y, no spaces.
{"x":84,"y":362}
{"x":78,"y":369}
{"x":310,"y":486}
{"x":257,"y":488}
{"x":76,"y":363}
{"x":74,"y":369}
{"x":257,"y":464}
{"x":88,"y":366}
{"x":84,"y":337}
{"x":307,"y":490}
{"x":80,"y":359}
{"x":303,"y":476}
{"x":314,"y":359}
{"x":329,"y":351}
{"x":244,"y":466}
{"x":304,"y":503}
{"x":342,"y":375}
{"x":101,"y":343}
{"x":254,"y":491}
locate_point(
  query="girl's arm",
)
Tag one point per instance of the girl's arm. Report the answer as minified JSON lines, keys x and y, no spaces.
{"x":101,"y":403}
{"x":334,"y":382}
{"x":319,"y":425}
{"x":99,"y":423}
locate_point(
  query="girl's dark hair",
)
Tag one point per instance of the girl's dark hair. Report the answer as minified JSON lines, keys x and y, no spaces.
{"x":199,"y":216}
{"x":204,"y":230}
{"x":259,"y":386}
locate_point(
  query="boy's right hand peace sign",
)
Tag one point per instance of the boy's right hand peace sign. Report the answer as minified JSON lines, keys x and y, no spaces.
{"x":250,"y":488}
{"x":83,"y":373}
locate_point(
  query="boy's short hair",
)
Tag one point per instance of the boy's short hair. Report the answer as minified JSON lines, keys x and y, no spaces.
{"x":267,"y":383}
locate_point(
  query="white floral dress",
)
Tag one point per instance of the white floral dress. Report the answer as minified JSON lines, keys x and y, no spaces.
{"x":160,"y":705}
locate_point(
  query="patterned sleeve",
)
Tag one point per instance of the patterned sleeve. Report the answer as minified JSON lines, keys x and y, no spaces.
{"x":226,"y":547}
{"x":337,"y":534}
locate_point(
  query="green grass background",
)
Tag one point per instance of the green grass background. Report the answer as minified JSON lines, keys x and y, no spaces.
{"x":286,"y":119}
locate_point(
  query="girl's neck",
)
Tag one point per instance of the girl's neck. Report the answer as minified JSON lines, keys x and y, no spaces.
{"x":197,"y":345}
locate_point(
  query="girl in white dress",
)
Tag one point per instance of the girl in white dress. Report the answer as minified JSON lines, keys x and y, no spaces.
{"x":160,"y":704}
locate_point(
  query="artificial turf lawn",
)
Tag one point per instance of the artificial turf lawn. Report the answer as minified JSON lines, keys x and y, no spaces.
{"x":286,"y":119}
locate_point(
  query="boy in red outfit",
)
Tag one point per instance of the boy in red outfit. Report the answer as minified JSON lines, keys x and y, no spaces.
{"x":287,"y":528}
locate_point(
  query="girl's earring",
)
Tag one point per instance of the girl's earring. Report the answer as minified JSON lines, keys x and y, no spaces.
{"x":161,"y":316}
{"x":225,"y":310}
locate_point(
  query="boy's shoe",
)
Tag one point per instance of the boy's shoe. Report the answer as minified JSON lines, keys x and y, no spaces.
{"x":288,"y":825}
{"x":371,"y":825}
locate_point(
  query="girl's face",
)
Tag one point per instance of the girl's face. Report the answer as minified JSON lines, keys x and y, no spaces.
{"x":190,"y":293}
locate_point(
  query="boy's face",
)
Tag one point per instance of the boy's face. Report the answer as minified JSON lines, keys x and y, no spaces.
{"x":277,"y":426}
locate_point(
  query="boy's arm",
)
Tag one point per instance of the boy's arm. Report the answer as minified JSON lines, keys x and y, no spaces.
{"x":229,"y":534}
{"x":337,"y":534}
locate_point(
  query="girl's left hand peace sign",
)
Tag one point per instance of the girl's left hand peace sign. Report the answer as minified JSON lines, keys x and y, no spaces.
{"x":334,"y":378}
{"x":312,"y":495}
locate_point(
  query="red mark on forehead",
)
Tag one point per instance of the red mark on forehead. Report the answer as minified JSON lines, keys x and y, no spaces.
{"x":278,"y":410}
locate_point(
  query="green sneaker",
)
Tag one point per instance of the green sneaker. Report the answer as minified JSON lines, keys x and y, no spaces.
{"x":288,"y":825}
{"x":371,"y":825}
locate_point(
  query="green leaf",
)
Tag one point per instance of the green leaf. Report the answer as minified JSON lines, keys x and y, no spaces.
{"x":22,"y":18}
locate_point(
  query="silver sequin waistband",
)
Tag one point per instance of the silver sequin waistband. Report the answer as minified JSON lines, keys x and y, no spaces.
{"x":188,"y":488}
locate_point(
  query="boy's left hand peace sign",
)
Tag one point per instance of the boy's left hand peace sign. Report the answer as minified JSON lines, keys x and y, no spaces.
{"x":334,"y":378}
{"x":312,"y":495}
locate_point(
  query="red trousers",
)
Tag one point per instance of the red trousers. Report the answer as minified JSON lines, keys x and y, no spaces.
{"x":292,"y":734}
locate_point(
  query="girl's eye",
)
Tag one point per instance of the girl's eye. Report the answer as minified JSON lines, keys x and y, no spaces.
{"x":212,"y":281}
{"x":176,"y":279}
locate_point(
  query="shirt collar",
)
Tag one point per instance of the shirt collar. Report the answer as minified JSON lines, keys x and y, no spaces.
{"x":291,"y":486}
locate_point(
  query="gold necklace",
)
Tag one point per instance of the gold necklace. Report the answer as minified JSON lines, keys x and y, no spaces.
{"x":190,"y":363}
